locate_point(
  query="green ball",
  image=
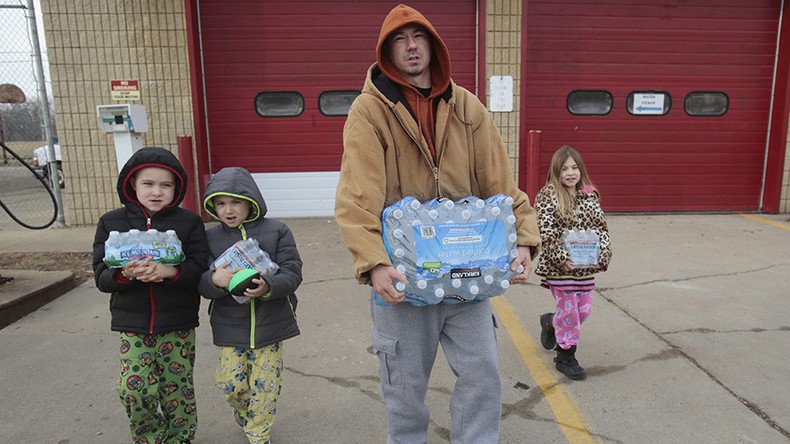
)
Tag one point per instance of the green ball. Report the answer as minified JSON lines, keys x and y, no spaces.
{"x":242,"y":280}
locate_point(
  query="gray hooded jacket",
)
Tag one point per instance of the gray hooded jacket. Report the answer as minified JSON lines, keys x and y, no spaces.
{"x":266,"y":319}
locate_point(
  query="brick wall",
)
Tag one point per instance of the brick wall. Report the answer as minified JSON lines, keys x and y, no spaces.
{"x":503,"y":58}
{"x":90,"y":43}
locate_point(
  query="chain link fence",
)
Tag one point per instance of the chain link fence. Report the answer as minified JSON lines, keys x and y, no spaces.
{"x":23,"y":167}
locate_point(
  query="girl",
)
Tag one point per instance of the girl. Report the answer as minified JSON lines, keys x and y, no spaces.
{"x":568,"y":201}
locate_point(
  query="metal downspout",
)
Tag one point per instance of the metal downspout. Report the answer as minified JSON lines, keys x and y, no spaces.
{"x":771,"y":108}
{"x":203,"y":80}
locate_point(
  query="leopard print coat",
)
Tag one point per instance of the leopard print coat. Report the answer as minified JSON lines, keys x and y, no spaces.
{"x":586,"y":215}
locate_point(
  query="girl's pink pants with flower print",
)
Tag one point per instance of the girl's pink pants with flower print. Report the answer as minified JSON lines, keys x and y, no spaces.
{"x":573,"y":308}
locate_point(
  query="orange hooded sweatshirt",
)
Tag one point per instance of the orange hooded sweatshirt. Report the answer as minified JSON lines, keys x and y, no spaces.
{"x":422,"y":107}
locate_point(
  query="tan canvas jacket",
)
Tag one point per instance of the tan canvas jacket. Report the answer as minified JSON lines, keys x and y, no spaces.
{"x":385,"y":158}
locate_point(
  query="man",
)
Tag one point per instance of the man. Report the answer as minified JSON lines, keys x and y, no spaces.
{"x":413,"y":132}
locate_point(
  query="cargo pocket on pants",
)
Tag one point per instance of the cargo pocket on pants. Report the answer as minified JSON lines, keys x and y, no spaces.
{"x":386,"y":349}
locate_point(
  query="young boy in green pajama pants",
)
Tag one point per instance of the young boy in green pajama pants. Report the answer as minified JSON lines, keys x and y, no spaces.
{"x":250,"y":332}
{"x":155,"y":306}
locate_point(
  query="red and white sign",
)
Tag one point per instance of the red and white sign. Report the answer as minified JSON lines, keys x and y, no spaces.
{"x":125,"y":90}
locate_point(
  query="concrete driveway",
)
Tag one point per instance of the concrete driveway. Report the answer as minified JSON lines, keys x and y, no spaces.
{"x":688,"y":342}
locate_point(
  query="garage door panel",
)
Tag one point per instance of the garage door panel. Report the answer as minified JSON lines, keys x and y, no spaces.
{"x":308,"y":47}
{"x":654,"y":163}
{"x":634,"y":57}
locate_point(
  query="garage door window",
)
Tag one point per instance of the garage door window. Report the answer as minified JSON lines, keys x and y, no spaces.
{"x":589,"y":103}
{"x":648,"y":103}
{"x":279,"y":104}
{"x":707,"y":103}
{"x":336,"y":103}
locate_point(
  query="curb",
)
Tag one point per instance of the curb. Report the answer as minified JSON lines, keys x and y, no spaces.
{"x":14,"y":309}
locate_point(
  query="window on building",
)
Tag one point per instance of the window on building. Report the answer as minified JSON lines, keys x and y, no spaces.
{"x":279,"y":104}
{"x":336,"y":103}
{"x":648,"y":103}
{"x":589,"y":103}
{"x":707,"y":103}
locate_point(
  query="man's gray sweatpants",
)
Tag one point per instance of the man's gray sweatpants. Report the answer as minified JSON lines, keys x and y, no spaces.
{"x":406,"y":339}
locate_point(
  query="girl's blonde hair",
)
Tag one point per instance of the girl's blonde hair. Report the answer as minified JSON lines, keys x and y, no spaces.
{"x":565,"y":201}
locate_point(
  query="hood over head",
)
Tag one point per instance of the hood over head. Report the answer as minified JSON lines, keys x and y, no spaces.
{"x":235,"y":182}
{"x":152,"y":156}
{"x":398,"y":17}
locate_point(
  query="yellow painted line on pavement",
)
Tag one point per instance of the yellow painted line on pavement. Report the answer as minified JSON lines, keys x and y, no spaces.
{"x":765,"y":220}
{"x":570,"y":419}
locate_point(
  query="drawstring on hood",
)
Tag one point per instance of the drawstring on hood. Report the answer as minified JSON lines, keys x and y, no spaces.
{"x":422,"y":107}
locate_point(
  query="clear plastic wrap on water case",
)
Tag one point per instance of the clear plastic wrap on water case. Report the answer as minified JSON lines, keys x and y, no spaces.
{"x":246,"y":254}
{"x":583,"y":246}
{"x":120,"y":248}
{"x":451,"y":251}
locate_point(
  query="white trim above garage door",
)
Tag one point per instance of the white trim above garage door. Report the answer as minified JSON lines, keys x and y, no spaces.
{"x":298,"y":194}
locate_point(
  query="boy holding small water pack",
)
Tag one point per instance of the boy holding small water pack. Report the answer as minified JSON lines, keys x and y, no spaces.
{"x":250,"y":325}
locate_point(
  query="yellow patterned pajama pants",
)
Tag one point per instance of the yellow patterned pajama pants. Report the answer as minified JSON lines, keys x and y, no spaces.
{"x":251,"y":380}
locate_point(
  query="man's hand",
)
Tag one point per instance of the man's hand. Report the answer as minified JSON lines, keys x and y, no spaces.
{"x":381,"y":277}
{"x":222,"y":275}
{"x":524,"y":258}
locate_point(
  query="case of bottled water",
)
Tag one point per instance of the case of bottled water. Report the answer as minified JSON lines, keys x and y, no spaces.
{"x":451,"y":251}
{"x":584,"y":247}
{"x":121,"y":248}
{"x":246,"y":254}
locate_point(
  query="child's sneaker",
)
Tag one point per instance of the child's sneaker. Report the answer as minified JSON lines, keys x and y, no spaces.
{"x":547,"y":339}
{"x":567,"y":364}
{"x":239,"y":420}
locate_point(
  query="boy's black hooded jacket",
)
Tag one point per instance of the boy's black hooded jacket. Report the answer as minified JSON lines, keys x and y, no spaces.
{"x":152,"y":307}
{"x":266,"y":319}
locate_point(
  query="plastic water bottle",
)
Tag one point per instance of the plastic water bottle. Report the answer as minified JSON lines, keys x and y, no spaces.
{"x":134,"y":237}
{"x":114,"y":238}
{"x":112,"y":250}
{"x":175,"y":251}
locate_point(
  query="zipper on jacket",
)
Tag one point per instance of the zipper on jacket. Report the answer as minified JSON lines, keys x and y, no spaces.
{"x":252,"y":323}
{"x":152,"y":318}
{"x":436,"y":179}
{"x":440,"y":150}
{"x":428,"y":159}
{"x":153,"y":309}
{"x":252,"y":302}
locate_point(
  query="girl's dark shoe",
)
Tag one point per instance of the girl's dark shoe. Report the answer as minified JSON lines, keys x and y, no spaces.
{"x":567,"y":364}
{"x":547,"y":339}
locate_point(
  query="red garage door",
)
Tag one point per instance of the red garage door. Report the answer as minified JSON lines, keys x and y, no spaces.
{"x":284,"y":52}
{"x":683,"y":127}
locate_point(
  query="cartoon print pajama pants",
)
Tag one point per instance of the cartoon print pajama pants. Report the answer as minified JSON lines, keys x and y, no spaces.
{"x":156,"y":386}
{"x":251,"y":380}
{"x":573,"y":308}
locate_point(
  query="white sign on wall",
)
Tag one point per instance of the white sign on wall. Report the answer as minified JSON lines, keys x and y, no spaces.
{"x":500,"y":99}
{"x":648,"y":103}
